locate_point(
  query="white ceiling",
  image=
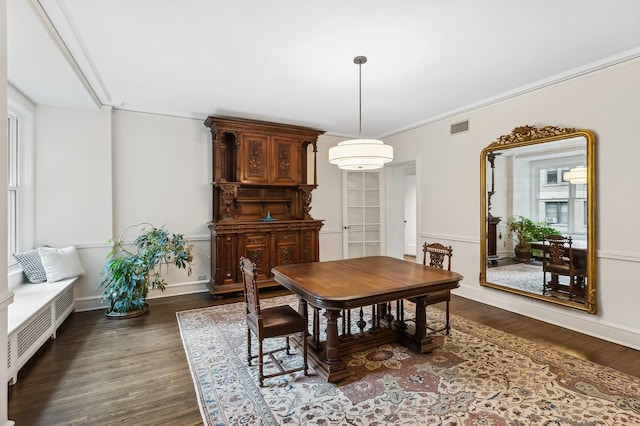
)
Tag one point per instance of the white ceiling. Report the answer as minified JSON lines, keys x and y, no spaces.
{"x":291,"y":61}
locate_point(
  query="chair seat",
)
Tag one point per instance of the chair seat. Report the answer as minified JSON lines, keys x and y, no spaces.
{"x":282,"y":320}
{"x":557,"y":269}
{"x":562,"y":270}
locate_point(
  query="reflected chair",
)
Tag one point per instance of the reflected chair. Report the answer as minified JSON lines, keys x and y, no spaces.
{"x":437,"y":254}
{"x":278,"y":321}
{"x":559,"y":259}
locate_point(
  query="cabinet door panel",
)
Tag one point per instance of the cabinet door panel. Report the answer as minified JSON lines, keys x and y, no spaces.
{"x":309,"y":247}
{"x":253,"y":159}
{"x":287,"y":248}
{"x":223,"y":250}
{"x":286,"y":158}
{"x":256,"y":248}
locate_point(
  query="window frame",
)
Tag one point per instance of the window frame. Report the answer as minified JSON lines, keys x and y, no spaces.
{"x":23,"y":111}
{"x":559,"y":165}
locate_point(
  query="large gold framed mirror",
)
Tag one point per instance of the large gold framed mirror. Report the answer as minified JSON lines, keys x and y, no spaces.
{"x":537,"y":195}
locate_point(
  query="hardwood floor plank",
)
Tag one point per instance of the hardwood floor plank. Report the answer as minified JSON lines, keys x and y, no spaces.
{"x":134,"y":372}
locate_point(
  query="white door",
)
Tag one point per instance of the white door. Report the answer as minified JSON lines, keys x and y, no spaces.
{"x":402,"y":210}
{"x":410,"y":215}
{"x":362,"y":214}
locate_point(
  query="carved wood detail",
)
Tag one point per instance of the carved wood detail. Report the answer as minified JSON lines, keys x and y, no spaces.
{"x":530,"y":133}
{"x":255,"y":159}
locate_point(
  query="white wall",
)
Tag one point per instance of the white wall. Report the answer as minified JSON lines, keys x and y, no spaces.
{"x":73,"y":188}
{"x":97,"y":172}
{"x":327,"y":201}
{"x":605,"y":102}
{"x":162,"y":176}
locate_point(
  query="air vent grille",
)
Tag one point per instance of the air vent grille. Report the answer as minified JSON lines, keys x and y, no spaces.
{"x":463,"y":126}
{"x":63,"y":302}
{"x":32,"y":332}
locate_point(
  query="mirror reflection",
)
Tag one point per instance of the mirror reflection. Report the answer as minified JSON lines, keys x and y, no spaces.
{"x":537,"y":227}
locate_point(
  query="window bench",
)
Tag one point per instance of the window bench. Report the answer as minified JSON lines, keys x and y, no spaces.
{"x":34,"y":316}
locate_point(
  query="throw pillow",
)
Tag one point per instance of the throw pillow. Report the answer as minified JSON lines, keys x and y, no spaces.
{"x":60,"y":263}
{"x":32,"y":266}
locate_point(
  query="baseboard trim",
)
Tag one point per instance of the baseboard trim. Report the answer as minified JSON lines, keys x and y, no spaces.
{"x":581,"y":322}
{"x":94,"y":303}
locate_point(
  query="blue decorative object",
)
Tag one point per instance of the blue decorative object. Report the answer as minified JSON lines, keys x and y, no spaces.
{"x":268,"y":217}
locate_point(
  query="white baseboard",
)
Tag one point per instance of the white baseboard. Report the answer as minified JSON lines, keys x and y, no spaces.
{"x":579,"y":321}
{"x":92,"y":303}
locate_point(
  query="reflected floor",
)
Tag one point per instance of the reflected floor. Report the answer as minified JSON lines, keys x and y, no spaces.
{"x":522,"y":276}
{"x":526,"y":277}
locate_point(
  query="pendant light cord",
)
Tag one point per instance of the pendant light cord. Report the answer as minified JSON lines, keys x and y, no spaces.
{"x":360,"y":100}
{"x":360,"y":60}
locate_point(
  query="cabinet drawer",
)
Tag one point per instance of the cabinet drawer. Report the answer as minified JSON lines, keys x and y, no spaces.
{"x":256,"y":240}
{"x":287,"y":237}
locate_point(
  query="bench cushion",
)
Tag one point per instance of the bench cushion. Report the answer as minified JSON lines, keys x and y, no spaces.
{"x":60,"y":263}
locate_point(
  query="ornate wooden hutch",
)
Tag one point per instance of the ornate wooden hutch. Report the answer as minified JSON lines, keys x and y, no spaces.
{"x":261,"y":199}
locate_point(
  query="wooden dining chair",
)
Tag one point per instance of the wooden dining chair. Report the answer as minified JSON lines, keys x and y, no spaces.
{"x":558,"y":259}
{"x":437,"y":254}
{"x":277,"y":321}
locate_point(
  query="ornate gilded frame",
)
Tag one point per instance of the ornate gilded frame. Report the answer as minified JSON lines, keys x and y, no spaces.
{"x":531,"y":135}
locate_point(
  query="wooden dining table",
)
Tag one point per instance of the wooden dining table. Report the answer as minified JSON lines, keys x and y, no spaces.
{"x":341,"y":285}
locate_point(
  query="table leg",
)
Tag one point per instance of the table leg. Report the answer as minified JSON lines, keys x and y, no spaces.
{"x":421,"y":317}
{"x":331,"y":345}
{"x":419,"y":340}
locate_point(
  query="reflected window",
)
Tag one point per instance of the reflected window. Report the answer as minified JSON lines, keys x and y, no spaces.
{"x":560,"y":203}
{"x":552,"y":177}
{"x":555,"y":176}
{"x":556,"y":212}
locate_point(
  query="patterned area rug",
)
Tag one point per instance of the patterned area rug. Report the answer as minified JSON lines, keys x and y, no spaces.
{"x":523,"y":276}
{"x":480,"y":376}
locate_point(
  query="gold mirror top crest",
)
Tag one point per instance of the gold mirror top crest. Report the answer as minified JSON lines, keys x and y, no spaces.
{"x":530,"y":133}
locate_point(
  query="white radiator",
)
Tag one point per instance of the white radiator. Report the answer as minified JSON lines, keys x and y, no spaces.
{"x":34,"y":316}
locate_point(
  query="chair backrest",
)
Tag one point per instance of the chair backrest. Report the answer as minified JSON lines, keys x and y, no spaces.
{"x":251,"y":296}
{"x":559,"y":249}
{"x":437,"y":253}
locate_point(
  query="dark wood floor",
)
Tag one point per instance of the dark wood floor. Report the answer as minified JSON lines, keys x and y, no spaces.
{"x":134,"y":372}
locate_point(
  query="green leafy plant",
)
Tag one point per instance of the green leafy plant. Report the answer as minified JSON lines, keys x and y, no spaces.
{"x":521,"y":228}
{"x":128,"y":275}
{"x":524,"y":230}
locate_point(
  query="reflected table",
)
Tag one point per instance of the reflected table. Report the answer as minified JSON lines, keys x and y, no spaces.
{"x":340,"y":285}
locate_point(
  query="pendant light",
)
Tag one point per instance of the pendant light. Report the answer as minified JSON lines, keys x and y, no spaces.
{"x":576,"y":176}
{"x":360,"y":154}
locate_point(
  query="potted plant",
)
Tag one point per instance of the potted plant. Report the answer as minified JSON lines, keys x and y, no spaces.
{"x":128,"y":275}
{"x":525,"y":231}
{"x":520,"y":228}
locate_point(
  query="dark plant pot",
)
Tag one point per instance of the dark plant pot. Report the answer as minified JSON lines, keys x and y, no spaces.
{"x":130,"y":314}
{"x":523,"y":252}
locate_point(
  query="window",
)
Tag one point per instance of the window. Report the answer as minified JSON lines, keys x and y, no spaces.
{"x":555,"y":176}
{"x":560,"y":203}
{"x":557,"y":212}
{"x":20,"y":154}
{"x":13,"y":137}
{"x":552,"y":177}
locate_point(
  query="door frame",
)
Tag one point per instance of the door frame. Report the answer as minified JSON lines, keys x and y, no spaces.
{"x":394,"y":182}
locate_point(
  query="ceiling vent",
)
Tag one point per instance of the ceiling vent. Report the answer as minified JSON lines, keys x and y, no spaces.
{"x":463,"y":126}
